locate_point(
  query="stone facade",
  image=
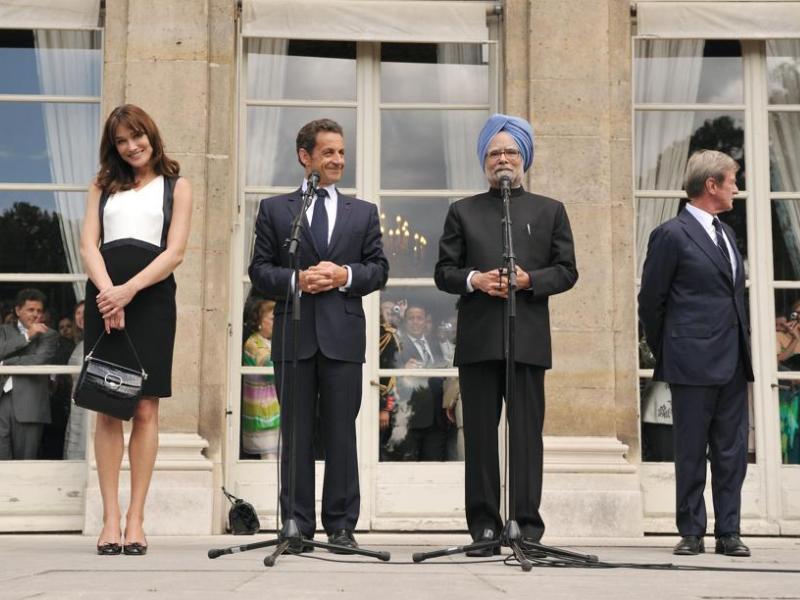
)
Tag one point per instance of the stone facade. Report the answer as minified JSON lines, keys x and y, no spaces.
{"x":571,"y":78}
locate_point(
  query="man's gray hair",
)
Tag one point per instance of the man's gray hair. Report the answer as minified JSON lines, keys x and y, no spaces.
{"x":704,"y":164}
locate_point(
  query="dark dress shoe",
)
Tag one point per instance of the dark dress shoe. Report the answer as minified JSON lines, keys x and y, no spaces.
{"x":689,"y":546}
{"x":487,"y":535}
{"x":110,"y":549}
{"x":731,"y":545}
{"x":343,"y":538}
{"x":299,"y":547}
{"x":134,"y":549}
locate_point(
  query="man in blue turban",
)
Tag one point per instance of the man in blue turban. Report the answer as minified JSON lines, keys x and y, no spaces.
{"x":471,"y":264}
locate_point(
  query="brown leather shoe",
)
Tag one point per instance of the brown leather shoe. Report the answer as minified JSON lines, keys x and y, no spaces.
{"x":689,"y":546}
{"x":731,"y":545}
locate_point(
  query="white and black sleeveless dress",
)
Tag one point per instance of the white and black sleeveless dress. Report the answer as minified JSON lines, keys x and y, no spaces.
{"x":133,"y":231}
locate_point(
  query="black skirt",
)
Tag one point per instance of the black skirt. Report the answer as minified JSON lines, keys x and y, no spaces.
{"x":149,"y":318}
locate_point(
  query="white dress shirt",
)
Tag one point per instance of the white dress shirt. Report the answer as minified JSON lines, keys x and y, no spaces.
{"x":706,"y":220}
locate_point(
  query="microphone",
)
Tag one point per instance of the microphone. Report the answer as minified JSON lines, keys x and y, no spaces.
{"x":313,"y":182}
{"x":505,"y":185}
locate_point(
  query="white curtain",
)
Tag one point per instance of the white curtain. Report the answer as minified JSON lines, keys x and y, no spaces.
{"x":63,"y":58}
{"x":459,"y":138}
{"x":666,"y":71}
{"x":267,"y":79}
{"x":784,"y":137}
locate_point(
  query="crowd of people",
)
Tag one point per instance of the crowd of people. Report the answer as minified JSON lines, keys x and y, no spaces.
{"x":50,"y":422}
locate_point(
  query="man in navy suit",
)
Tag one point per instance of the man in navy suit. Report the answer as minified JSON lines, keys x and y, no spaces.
{"x":692,"y":307}
{"x":341,"y":260}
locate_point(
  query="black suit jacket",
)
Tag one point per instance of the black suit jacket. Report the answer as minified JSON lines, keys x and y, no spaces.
{"x":425,"y":400}
{"x":30,"y":395}
{"x":472,"y":240}
{"x":333,"y":321}
{"x":692,"y":312}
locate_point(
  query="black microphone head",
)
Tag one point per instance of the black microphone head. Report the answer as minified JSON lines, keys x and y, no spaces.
{"x":505,"y":183}
{"x":313,"y":179}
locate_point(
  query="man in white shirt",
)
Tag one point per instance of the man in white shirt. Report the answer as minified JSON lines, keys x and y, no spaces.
{"x":692,"y":307}
{"x":24,"y":399}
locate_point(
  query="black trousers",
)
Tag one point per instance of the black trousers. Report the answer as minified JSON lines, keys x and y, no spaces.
{"x":713,"y":417}
{"x":335,"y":387}
{"x":482,"y":390}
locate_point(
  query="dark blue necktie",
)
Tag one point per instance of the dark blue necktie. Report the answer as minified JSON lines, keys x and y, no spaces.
{"x":319,"y":223}
{"x":721,"y":242}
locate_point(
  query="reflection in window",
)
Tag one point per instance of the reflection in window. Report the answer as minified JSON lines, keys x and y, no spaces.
{"x":293,"y":69}
{"x":665,"y":140}
{"x":786,"y":239}
{"x":784,"y":150}
{"x":271,"y":135}
{"x":783,"y":67}
{"x":411,"y":228}
{"x":420,"y":417}
{"x":689,"y":71}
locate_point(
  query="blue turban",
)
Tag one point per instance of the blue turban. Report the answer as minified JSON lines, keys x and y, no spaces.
{"x":519,"y":129}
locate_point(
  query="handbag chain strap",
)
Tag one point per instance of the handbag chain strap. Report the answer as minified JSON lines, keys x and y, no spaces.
{"x":130,"y":343}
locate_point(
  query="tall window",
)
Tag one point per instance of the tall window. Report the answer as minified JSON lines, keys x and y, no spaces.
{"x":50,"y":86}
{"x":411,"y":114}
{"x":688,"y":95}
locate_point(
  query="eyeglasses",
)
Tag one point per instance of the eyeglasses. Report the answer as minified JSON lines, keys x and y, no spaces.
{"x":511,"y":153}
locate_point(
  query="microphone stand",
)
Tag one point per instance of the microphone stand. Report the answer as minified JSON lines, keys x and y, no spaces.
{"x":511,"y":536}
{"x":290,"y":535}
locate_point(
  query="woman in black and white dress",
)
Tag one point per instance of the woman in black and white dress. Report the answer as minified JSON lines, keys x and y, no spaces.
{"x":134,"y":236}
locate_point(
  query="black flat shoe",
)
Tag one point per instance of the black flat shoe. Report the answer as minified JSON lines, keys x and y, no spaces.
{"x":134,"y":549}
{"x":731,"y":545}
{"x":109,"y":549}
{"x":486,"y":536}
{"x":689,"y":545}
{"x":343,"y":538}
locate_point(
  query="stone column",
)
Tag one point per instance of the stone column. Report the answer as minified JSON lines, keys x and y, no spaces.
{"x":567,"y":69}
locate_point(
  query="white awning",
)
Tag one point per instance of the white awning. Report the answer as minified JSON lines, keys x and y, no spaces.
{"x":47,"y":14}
{"x":718,"y":20}
{"x":366,"y":20}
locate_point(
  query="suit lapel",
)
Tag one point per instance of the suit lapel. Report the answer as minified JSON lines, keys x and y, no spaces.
{"x":294,"y":204}
{"x":344,"y":205}
{"x":698,"y":235}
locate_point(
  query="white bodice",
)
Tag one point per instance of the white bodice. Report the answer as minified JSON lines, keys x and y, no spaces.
{"x":136,"y":214}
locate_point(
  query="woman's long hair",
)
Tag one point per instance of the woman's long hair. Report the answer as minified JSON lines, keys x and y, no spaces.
{"x":115,"y":174}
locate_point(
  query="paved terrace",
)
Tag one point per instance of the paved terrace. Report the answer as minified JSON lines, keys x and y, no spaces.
{"x":64,"y":567}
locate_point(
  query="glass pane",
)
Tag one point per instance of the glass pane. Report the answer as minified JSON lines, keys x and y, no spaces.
{"x":51,"y":62}
{"x":284,"y":69}
{"x":783,"y":66}
{"x":656,"y":418}
{"x":251,"y":205}
{"x":664,"y":140}
{"x":411,"y":229}
{"x":651,"y":212}
{"x":415,"y":425}
{"x":271,"y":134}
{"x":45,"y":142}
{"x":431,"y":149}
{"x":446,"y":73}
{"x":656,"y":411}
{"x":688,"y":71}
{"x":439,"y":311}
{"x":59,"y":315}
{"x":784,"y":151}
{"x":786,"y":239}
{"x":40,"y":231}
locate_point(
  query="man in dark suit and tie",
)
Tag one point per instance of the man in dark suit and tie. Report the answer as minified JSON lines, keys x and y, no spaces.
{"x":25,"y":399}
{"x":692,"y":307}
{"x":341,"y":260}
{"x":470,"y":258}
{"x":427,"y":422}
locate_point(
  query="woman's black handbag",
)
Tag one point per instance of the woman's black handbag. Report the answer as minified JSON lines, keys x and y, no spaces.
{"x":242,"y":516}
{"x":110,"y":388}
